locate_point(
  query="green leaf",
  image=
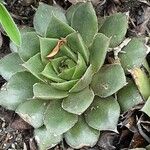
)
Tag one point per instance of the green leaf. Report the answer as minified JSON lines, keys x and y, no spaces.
{"x":133,"y":54}
{"x":108,"y":80}
{"x":76,"y":43}
{"x":77,"y":103}
{"x":142,"y":81}
{"x":84,"y":81}
{"x":47,"y":92}
{"x":57,"y":120}
{"x":98,"y":51}
{"x":84,"y":21}
{"x":129,"y":96}
{"x":51,"y":74}
{"x":30,"y":45}
{"x":10,"y":64}
{"x":81,"y":135}
{"x":103,"y":114}
{"x":32,"y":111}
{"x":46,"y":46}
{"x":35,"y":66}
{"x":146,"y":107}
{"x":80,"y":67}
{"x":115,"y":26}
{"x":43,"y":17}
{"x":65,"y":86}
{"x":57,"y":28}
{"x":18,"y":89}
{"x":9,"y":25}
{"x":70,"y":12}
{"x":45,"y":140}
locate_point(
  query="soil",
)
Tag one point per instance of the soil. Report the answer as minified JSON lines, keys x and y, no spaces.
{"x":133,"y":126}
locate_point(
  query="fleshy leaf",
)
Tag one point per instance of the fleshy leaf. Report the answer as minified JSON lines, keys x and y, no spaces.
{"x":47,"y":92}
{"x":84,"y":21}
{"x":115,"y":26}
{"x":30,"y":45}
{"x":103,"y":114}
{"x":57,"y":28}
{"x":81,"y":135}
{"x":35,"y":66}
{"x":84,"y":81}
{"x":51,"y":74}
{"x":146,"y":107}
{"x":43,"y":17}
{"x":133,"y":54}
{"x":70,"y":12}
{"x":65,"y":86}
{"x":98,"y":50}
{"x":44,"y":139}
{"x":57,"y":120}
{"x":10,"y":64}
{"x":9,"y":25}
{"x":46,"y":46}
{"x":32,"y":111}
{"x":77,"y":103}
{"x":129,"y":96}
{"x":142,"y":81}
{"x":76,"y":43}
{"x":17,"y":90}
{"x":108,"y":80}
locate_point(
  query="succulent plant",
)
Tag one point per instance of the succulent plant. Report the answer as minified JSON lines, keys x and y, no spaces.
{"x":64,"y":79}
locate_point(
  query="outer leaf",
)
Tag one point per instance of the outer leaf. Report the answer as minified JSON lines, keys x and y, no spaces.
{"x":134,"y":54}
{"x":47,"y":92}
{"x":10,"y":64}
{"x":108,"y":80}
{"x":17,"y":90}
{"x":76,"y":43}
{"x":115,"y":26}
{"x":103,"y":114}
{"x":44,"y":15}
{"x":57,"y":28}
{"x":32,"y":111}
{"x":129,"y":96}
{"x":57,"y":120}
{"x":29,"y":47}
{"x":85,"y":22}
{"x":35,"y":66}
{"x":9,"y":25}
{"x":84,"y":81}
{"x":98,"y":51}
{"x":146,"y":107}
{"x":46,"y":140}
{"x":142,"y":81}
{"x":77,"y":103}
{"x":81,"y":135}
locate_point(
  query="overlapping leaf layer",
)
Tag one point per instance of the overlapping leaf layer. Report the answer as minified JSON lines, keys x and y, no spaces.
{"x":64,"y":81}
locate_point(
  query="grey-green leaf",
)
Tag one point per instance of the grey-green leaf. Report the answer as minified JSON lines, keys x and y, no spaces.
{"x":81,"y":135}
{"x":146,"y":107}
{"x":84,"y":21}
{"x":103,"y":114}
{"x":98,"y":51}
{"x":10,"y":65}
{"x":77,"y":103}
{"x":57,"y":120}
{"x":47,"y":92}
{"x":108,"y":80}
{"x":32,"y":111}
{"x":17,"y":90}
{"x":115,"y":26}
{"x":9,"y":25}
{"x":44,"y":139}
{"x":129,"y":96}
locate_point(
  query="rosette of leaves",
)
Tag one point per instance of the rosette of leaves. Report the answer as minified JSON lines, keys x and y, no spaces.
{"x":58,"y":79}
